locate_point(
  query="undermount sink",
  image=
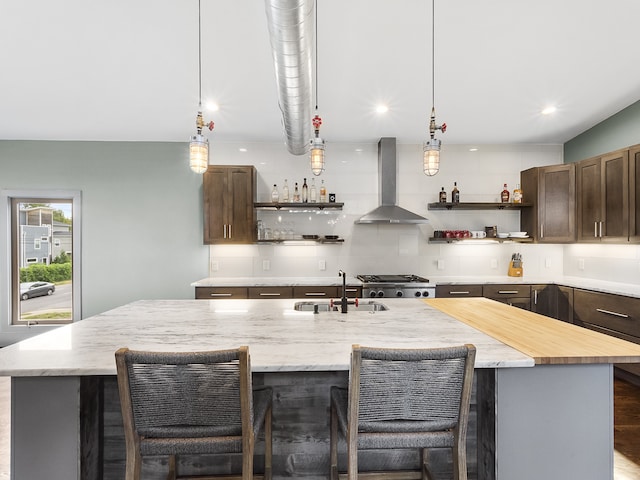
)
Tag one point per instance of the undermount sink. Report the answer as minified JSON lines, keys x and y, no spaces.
{"x":368,"y":306}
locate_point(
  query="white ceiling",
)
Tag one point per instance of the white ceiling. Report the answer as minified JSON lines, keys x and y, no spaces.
{"x":128,"y":69}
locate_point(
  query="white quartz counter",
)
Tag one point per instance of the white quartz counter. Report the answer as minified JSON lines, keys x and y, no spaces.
{"x":274,"y":281}
{"x":279,"y":338}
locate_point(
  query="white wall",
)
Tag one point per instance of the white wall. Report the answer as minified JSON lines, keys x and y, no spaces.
{"x":351,"y":173}
{"x":612,"y":263}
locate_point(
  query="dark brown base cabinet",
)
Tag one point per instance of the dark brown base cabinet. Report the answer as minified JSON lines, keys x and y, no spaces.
{"x":278,"y":291}
{"x":614,"y":315}
{"x":514,"y":295}
{"x":458,"y":291}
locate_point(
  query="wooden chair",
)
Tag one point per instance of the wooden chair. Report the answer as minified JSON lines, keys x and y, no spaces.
{"x":191,"y":403}
{"x":404,"y":399}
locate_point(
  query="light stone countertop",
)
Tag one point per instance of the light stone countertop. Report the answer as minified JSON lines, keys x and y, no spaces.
{"x":279,"y":338}
{"x":627,"y":289}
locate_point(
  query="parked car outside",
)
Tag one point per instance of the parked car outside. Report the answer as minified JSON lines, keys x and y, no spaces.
{"x":36,"y":289}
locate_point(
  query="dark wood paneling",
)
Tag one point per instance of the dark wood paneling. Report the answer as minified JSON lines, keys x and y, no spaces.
{"x":589,"y":194}
{"x":460,"y":291}
{"x":270,"y":292}
{"x":615,"y":196}
{"x":634,"y":194}
{"x":544,"y":300}
{"x":613,"y":312}
{"x":212,"y":293}
{"x":565,"y":304}
{"x":317,"y":292}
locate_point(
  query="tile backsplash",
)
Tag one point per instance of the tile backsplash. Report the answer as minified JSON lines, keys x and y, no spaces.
{"x":352,"y":174}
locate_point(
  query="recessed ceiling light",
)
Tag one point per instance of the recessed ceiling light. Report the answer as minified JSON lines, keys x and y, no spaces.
{"x":242,"y":149}
{"x":382,"y":109}
{"x":358,"y":150}
{"x":473,"y":149}
{"x":548,"y":110}
{"x":213,"y":106}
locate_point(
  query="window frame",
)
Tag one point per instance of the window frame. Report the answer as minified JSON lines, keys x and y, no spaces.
{"x":10,"y":293}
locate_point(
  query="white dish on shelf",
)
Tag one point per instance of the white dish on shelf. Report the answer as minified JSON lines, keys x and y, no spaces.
{"x":503,"y":235}
{"x":518,"y":234}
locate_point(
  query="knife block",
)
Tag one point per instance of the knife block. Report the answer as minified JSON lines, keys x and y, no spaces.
{"x":514,"y":271}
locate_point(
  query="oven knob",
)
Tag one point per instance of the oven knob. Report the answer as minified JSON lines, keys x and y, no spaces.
{"x":381,"y":293}
{"x":417,"y":294}
{"x":425,"y":293}
{"x":372,"y":293}
{"x":399,"y":293}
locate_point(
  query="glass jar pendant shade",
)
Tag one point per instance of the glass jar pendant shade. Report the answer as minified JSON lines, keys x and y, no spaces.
{"x":431,"y":157}
{"x":199,"y":153}
{"x":317,"y":148}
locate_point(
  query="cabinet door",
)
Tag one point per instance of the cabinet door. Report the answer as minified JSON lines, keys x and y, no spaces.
{"x":270,"y":292}
{"x":565,"y":304}
{"x":588,"y":186}
{"x":216,"y":215}
{"x":460,"y":291}
{"x":544,"y":300}
{"x":615,"y":197}
{"x":317,"y":292}
{"x":551,"y":190}
{"x":634,"y":193}
{"x":229,"y":216}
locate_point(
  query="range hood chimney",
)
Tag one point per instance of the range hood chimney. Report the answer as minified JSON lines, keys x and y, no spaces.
{"x":388,"y":212}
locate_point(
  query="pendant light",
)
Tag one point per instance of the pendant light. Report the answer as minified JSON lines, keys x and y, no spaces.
{"x":431,"y":150}
{"x":317,"y":143}
{"x":199,"y":145}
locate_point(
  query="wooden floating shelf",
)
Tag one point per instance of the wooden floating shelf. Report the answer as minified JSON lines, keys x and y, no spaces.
{"x":301,"y":241}
{"x":480,"y":240}
{"x":477,"y":206}
{"x":297,"y":206}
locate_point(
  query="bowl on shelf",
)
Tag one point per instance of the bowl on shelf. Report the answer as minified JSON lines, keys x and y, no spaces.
{"x":518,"y":234}
{"x":503,"y":235}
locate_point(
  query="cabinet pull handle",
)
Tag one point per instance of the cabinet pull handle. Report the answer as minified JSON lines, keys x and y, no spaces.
{"x":269,"y":294}
{"x":459,"y":292}
{"x":615,"y":314}
{"x":229,"y":230}
{"x":315,"y":294}
{"x":224,"y":229}
{"x":595,"y":229}
{"x":542,"y":230}
{"x":221,"y":294}
{"x":535,"y":297}
{"x":352,"y":289}
{"x":600,"y":229}
{"x":505,"y":292}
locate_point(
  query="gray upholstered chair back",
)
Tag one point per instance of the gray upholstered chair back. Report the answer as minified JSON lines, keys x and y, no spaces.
{"x":185,"y":394}
{"x":410,"y":390}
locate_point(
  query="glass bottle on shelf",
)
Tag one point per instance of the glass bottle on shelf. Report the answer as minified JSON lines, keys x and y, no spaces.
{"x":274,"y":194}
{"x":305,"y":191}
{"x":443,"y":196}
{"x":285,"y":192}
{"x":455,"y":193}
{"x":323,"y":192}
{"x":313,"y":198}
{"x":296,"y":193}
{"x":517,"y":194}
{"x":504,"y":196}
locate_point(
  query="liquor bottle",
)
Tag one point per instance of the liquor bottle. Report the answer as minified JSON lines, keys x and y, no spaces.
{"x":517,"y":194}
{"x":285,"y":192}
{"x":313,"y":196}
{"x":323,"y":192}
{"x":504,"y":196}
{"x":296,"y":194}
{"x":455,"y":193}
{"x":443,"y":196}
{"x":274,"y":194}
{"x":305,"y":191}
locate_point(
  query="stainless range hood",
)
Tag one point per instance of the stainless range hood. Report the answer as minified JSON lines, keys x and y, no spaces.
{"x":388,"y":212}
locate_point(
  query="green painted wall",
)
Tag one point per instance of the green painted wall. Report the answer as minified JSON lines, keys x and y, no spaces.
{"x":618,"y":131}
{"x":141,"y":214}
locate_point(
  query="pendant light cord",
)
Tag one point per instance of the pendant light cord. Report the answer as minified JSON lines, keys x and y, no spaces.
{"x":433,"y":53}
{"x":199,"y":57}
{"x":316,"y":51}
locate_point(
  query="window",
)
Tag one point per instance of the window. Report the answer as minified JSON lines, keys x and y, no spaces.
{"x":44,"y":286}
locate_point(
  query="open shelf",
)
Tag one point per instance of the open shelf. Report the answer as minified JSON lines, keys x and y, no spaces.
{"x":297,"y":206}
{"x":300,"y":241}
{"x":477,"y":206}
{"x":480,"y":240}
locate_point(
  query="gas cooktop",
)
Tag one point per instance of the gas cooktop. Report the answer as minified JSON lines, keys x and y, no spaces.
{"x":392,"y":279}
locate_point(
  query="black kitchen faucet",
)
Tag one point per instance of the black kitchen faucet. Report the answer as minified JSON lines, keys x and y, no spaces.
{"x":343,"y":299}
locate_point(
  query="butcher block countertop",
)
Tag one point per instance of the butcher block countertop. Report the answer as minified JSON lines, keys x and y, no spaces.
{"x":546,"y":340}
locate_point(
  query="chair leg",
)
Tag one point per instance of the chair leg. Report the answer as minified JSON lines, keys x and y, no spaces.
{"x":459,"y":463}
{"x":424,"y":464}
{"x":173,"y":468}
{"x":268,"y":445}
{"x":333,"y":444}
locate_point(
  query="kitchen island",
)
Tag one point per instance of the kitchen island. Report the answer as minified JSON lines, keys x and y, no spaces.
{"x":545,"y":416}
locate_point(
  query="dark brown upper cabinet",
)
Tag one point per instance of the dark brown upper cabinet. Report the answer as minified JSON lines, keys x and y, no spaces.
{"x":551,"y":190}
{"x":229,"y":193}
{"x":634,"y":194}
{"x":602,"y":185}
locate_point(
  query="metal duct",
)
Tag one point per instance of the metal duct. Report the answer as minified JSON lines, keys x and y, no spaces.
{"x":291,"y":30}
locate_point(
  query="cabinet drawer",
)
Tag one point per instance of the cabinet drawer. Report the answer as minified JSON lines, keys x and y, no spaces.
{"x":446,"y":291}
{"x":211,"y":293}
{"x":317,"y":291}
{"x":612,"y":312}
{"x":270,"y":292}
{"x":506,"y":291}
